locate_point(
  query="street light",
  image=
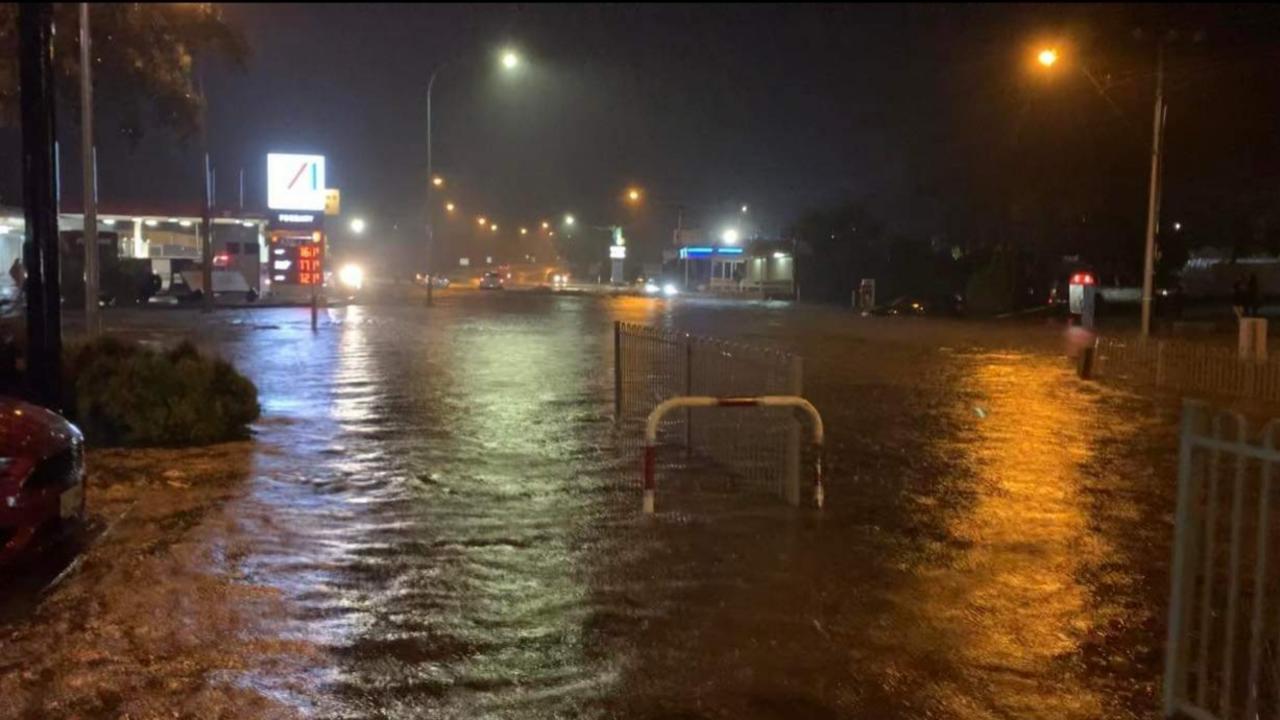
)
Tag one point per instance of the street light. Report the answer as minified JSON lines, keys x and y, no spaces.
{"x":634,"y":195}
{"x":744,"y":209}
{"x":524,"y":231}
{"x":1047,"y":58}
{"x":482,"y":221}
{"x":729,"y":236}
{"x":449,"y":207}
{"x":546,"y":225}
{"x":494,"y":227}
{"x":510,"y":60}
{"x":357,"y":225}
{"x":568,"y":220}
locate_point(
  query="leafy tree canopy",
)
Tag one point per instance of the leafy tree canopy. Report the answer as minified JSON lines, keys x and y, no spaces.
{"x":144,"y":57}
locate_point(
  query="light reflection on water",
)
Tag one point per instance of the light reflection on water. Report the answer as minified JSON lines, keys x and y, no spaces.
{"x":453,"y":464}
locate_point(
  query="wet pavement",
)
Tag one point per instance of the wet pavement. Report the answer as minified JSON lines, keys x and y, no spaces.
{"x":433,"y":520}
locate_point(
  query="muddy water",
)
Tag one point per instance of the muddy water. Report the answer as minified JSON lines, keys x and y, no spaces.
{"x":433,"y":522}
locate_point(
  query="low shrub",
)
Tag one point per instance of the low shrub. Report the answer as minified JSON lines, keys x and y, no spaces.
{"x":125,"y":394}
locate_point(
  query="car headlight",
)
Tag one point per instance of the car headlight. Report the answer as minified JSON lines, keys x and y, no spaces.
{"x":351,"y":276}
{"x":650,"y":288}
{"x":669,"y":289}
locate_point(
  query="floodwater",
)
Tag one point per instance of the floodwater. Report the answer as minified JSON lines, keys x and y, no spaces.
{"x":434,"y":520}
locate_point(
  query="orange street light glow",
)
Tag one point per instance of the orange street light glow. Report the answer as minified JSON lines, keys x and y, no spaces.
{"x":1047,"y":57}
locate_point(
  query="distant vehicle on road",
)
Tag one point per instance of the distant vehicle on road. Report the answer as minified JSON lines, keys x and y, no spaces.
{"x":911,"y":305}
{"x":41,"y":475}
{"x":491,"y":281}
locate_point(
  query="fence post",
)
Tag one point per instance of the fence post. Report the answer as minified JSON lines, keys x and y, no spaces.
{"x":791,"y":473}
{"x":1183,"y":573}
{"x":617,"y":371}
{"x":688,"y":390}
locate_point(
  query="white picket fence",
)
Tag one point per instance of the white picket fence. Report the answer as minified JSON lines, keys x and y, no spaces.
{"x":1187,"y":367}
{"x":1222,"y":655}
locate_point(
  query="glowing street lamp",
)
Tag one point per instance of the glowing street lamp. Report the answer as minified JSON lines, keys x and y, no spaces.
{"x":729,"y":236}
{"x":524,"y":231}
{"x":634,"y":195}
{"x":494,"y":227}
{"x":437,"y":181}
{"x":546,"y":225}
{"x":510,"y":60}
{"x":568,"y":220}
{"x":357,"y":225}
{"x":449,"y":207}
{"x":744,"y":209}
{"x":482,"y":221}
{"x":1048,"y":57}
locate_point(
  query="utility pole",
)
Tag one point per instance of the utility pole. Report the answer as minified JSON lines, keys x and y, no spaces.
{"x":206,"y":210}
{"x":431,"y":178}
{"x":89,"y":172}
{"x":1153,"y":197}
{"x":40,"y":250}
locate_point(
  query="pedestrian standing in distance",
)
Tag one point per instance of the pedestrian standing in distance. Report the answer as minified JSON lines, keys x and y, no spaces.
{"x":1237,"y":299}
{"x":1253,"y":306}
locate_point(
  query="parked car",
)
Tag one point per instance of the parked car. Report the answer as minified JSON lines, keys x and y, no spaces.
{"x":42,"y":475}
{"x":491,"y":281}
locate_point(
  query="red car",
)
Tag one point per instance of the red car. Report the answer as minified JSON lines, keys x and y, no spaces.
{"x":41,"y":474}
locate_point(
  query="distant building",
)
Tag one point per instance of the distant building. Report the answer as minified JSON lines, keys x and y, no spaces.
{"x":761,"y":268}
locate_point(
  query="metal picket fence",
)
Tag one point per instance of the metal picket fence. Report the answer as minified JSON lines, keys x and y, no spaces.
{"x":760,"y":446}
{"x":1222,"y":655}
{"x":1187,"y":367}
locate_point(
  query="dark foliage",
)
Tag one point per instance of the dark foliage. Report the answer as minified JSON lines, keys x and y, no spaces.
{"x":125,"y":394}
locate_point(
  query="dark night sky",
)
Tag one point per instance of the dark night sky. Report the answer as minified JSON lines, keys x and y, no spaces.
{"x":909,"y":108}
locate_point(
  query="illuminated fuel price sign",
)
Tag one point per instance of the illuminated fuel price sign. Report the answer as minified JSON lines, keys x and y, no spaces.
{"x":297,"y":261}
{"x":310,"y":264}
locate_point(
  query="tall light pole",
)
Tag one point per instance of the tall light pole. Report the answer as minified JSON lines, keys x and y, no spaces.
{"x":90,"y":189}
{"x":37,"y":98}
{"x":1153,"y":194}
{"x":1048,"y":58}
{"x":510,"y":61}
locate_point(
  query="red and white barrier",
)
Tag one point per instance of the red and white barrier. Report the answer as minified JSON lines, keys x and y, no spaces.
{"x":702,"y":401}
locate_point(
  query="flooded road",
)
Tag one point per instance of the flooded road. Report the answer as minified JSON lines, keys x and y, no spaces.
{"x":434,"y":521}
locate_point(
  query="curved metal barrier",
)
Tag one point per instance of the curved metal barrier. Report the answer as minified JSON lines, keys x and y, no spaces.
{"x":705,"y":401}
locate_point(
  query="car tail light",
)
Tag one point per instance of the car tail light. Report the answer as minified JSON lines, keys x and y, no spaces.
{"x":1082,"y":278}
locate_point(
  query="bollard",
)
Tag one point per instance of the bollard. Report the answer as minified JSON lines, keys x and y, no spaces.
{"x":315,"y":311}
{"x":1088,"y":358}
{"x":430,"y":300}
